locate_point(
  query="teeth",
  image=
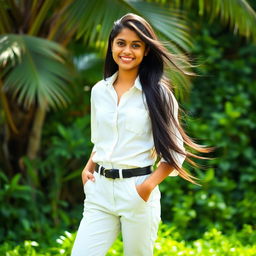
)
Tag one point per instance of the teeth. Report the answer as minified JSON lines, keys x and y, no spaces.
{"x":125,"y":58}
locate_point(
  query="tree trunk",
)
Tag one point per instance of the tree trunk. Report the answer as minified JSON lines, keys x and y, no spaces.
{"x":34,"y":140}
{"x":15,"y":143}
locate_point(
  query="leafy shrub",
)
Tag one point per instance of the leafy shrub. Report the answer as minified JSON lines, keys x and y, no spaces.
{"x":222,"y":114}
{"x":38,"y":199}
{"x":17,"y":209}
{"x":169,"y":242}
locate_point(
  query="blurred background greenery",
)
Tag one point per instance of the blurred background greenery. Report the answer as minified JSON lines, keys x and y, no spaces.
{"x":51,"y":54}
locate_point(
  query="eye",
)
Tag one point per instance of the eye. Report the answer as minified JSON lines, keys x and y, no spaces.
{"x":135,"y":46}
{"x":120,"y":43}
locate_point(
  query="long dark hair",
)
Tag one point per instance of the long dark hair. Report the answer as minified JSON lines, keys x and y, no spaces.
{"x":157,"y":91}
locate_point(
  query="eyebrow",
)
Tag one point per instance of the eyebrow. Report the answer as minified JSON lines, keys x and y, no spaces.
{"x":135,"y":41}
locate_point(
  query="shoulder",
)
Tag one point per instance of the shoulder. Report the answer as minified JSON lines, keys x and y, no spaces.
{"x":97,"y":88}
{"x":98,"y":85}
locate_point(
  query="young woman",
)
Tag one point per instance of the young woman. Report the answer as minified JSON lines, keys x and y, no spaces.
{"x":134,"y":120}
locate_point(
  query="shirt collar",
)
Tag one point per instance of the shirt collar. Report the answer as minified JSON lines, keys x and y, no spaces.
{"x":137,"y":83}
{"x":110,"y":80}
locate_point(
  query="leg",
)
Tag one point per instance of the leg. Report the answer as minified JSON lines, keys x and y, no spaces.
{"x":140,"y":232}
{"x":139,"y":219}
{"x":97,"y":232}
{"x":100,"y":226}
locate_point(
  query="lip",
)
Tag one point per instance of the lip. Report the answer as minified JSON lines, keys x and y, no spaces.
{"x":126,"y":59}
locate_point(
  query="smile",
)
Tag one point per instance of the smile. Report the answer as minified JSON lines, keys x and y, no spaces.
{"x":126,"y":59}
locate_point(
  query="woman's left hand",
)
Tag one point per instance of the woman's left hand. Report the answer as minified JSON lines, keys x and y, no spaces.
{"x":144,"y":191}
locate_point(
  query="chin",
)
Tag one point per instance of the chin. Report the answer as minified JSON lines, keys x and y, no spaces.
{"x":127,"y":68}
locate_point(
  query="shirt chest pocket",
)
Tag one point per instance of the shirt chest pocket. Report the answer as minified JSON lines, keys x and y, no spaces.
{"x":137,"y":120}
{"x":104,"y":118}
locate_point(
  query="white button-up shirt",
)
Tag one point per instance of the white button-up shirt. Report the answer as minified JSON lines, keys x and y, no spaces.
{"x":122,"y":133}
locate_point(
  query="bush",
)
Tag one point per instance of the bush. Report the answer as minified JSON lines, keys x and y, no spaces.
{"x":169,"y":242}
{"x":36,"y":200}
{"x":222,"y":114}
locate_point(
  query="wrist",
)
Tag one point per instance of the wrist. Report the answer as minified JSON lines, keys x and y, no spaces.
{"x":148,"y":186}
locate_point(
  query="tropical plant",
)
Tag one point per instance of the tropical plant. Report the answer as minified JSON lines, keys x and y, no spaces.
{"x":169,"y":242}
{"x":35,"y":72}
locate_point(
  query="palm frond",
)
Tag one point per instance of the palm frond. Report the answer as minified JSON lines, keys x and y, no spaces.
{"x":171,"y":24}
{"x":40,"y":17}
{"x":180,"y":83}
{"x":10,"y":52}
{"x":238,"y":14}
{"x":39,"y":74}
{"x":94,"y":20}
{"x":5,"y":20}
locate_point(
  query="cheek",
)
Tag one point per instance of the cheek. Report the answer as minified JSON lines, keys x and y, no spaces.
{"x":141,"y":53}
{"x":141,"y":56}
{"x":114,"y":55}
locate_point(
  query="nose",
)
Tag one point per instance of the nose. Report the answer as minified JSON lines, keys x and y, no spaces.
{"x":127,"y":50}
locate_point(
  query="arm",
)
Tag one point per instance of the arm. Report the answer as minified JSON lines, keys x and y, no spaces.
{"x":87,"y":173}
{"x":162,"y":171}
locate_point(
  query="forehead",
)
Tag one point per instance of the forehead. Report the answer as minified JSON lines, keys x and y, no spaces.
{"x":127,"y":35}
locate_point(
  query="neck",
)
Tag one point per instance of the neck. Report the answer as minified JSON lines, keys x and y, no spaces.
{"x":126,"y":78}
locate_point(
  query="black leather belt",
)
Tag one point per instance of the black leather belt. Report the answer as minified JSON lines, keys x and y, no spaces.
{"x":126,"y":173}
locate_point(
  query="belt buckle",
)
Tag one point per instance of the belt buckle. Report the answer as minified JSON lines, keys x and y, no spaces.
{"x":104,"y":171}
{"x":110,"y":173}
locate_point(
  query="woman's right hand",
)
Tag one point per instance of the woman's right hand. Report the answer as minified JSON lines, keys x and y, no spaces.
{"x":87,"y":175}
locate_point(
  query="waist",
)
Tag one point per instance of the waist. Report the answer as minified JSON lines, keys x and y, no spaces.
{"x":112,"y":165}
{"x":122,"y":173}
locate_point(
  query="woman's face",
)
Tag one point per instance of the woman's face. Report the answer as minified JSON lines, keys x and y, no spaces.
{"x":128,"y":50}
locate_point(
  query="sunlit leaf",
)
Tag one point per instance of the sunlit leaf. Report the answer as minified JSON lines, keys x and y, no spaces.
{"x":238,"y":14}
{"x":39,"y":72}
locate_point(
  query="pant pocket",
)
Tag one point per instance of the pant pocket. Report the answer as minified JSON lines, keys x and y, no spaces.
{"x":90,"y":185}
{"x":137,"y":181}
{"x":155,"y":193}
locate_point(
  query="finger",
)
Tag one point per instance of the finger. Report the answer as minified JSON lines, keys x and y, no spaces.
{"x":90,"y":176}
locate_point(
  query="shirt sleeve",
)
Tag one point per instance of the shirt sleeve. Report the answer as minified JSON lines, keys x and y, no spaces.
{"x":178,"y":158}
{"x":93,"y":121}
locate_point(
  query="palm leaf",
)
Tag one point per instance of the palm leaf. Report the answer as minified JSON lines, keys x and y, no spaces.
{"x":94,"y":20}
{"x":171,"y":24}
{"x":39,"y":74}
{"x":238,"y":14}
{"x":5,"y":20}
{"x":10,"y":52}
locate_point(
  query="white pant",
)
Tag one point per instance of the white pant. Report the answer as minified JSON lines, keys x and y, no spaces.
{"x":111,"y":206}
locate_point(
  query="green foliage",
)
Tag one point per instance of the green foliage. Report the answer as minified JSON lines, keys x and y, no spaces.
{"x":169,"y":242}
{"x":49,"y":72}
{"x":222,"y":110}
{"x":15,"y":207}
{"x":40,"y":204}
{"x":222,"y":114}
{"x":62,"y":247}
